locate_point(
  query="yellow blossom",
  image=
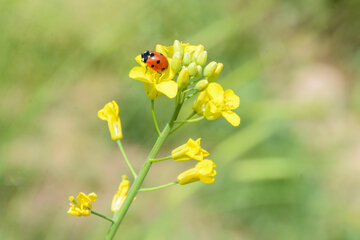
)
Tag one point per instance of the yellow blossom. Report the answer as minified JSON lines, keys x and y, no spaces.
{"x":110,"y":113}
{"x":120,"y":195}
{"x":203,"y":171}
{"x":155,"y":83}
{"x":82,"y":205}
{"x":214,"y":102}
{"x":188,"y":151}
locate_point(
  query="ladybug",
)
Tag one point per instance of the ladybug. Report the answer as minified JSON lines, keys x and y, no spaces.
{"x":155,"y":60}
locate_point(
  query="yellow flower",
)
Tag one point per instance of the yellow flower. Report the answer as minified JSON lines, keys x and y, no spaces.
{"x":188,"y":151}
{"x":214,"y":102}
{"x":120,"y":195}
{"x":155,"y":83}
{"x":82,"y":206}
{"x":203,"y":171}
{"x":110,"y":113}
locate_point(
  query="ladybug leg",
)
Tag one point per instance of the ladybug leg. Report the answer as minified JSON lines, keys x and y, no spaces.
{"x":146,"y":69}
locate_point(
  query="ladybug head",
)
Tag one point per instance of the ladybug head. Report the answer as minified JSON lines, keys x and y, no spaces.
{"x":145,"y":56}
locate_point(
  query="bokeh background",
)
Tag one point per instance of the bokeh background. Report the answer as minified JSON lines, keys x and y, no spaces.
{"x":291,"y":170}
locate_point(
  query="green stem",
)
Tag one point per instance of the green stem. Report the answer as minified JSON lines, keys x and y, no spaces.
{"x":102,"y":216}
{"x":191,"y":120}
{"x":119,"y":216}
{"x":161,"y":159}
{"x":158,"y":187}
{"x":126,"y":159}
{"x":154,"y":118}
{"x":178,"y":126}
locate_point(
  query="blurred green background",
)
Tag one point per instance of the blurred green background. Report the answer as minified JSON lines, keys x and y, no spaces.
{"x":291,"y":170}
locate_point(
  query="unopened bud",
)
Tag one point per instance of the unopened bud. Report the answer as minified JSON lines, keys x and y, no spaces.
{"x":183,"y":78}
{"x":192,"y":69}
{"x":197,"y":52}
{"x":199,"y":70}
{"x":187,"y":59}
{"x":201,"y":85}
{"x":210,"y":69}
{"x":216,"y":73}
{"x":176,"y":62}
{"x":178,"y":47}
{"x":201,"y":59}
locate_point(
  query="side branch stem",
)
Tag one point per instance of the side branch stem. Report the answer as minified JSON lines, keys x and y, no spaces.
{"x":126,"y":159}
{"x":154,"y":117}
{"x":102,"y":216}
{"x":158,"y":187}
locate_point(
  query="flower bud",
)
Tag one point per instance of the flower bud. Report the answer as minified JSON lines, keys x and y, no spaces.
{"x":199,"y":70}
{"x":187,"y":59}
{"x":201,"y":59}
{"x":201,"y":85}
{"x":178,"y":47}
{"x":210,"y":69}
{"x":197,"y":52}
{"x":183,"y":78}
{"x":176,"y":62}
{"x":192,"y":69}
{"x":216,"y":73}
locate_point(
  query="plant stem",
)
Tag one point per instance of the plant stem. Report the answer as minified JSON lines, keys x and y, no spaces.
{"x":158,"y":187}
{"x":102,"y":216}
{"x":191,"y":120}
{"x":154,"y":118}
{"x":178,"y":126}
{"x":126,"y":159}
{"x":161,"y":159}
{"x":119,"y":216}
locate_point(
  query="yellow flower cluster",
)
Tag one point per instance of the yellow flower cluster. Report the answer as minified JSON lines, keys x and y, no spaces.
{"x":82,"y":205}
{"x":187,"y":74}
{"x":203,"y":171}
{"x":214,"y":102}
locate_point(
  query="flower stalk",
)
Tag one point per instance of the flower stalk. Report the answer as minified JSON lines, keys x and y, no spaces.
{"x":119,"y":216}
{"x":126,"y":159}
{"x":158,"y":187}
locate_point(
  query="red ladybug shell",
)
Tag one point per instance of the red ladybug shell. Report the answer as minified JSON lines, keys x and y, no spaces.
{"x":155,"y":61}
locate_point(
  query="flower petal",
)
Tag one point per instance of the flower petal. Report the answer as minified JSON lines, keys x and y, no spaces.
{"x":140,"y":73}
{"x":211,"y":111}
{"x":139,"y":61}
{"x":232,"y":101}
{"x":232,"y":118}
{"x":168,"y":88}
{"x":166,"y":51}
{"x":216,"y":93}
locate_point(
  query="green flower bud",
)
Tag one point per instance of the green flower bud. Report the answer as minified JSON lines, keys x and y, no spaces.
{"x":176,"y":62}
{"x":197,"y":52}
{"x":192,"y":69}
{"x":210,"y":69}
{"x":187,"y":59}
{"x":199,"y":70}
{"x":183,"y":78}
{"x":216,"y":73}
{"x":178,"y":48}
{"x":201,"y":85}
{"x":201,"y":59}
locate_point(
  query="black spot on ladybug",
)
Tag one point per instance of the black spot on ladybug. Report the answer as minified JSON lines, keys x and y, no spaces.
{"x":152,"y":66}
{"x":161,"y":54}
{"x":152,"y":54}
{"x":162,"y":69}
{"x":158,"y":61}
